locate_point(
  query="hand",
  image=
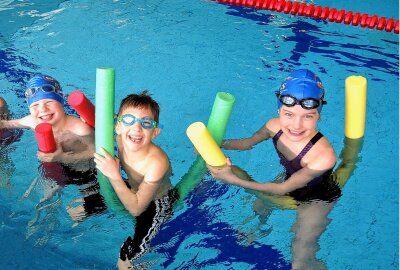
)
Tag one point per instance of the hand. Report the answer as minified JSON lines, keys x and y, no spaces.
{"x":51,"y":157}
{"x":108,"y":165}
{"x":222,"y":173}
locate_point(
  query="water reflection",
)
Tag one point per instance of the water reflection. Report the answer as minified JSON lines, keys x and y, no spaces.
{"x":312,"y":217}
{"x":47,"y":190}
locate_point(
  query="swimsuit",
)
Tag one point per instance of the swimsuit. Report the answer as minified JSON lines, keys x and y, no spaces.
{"x":86,"y":181}
{"x":8,"y":136}
{"x":322,"y":187}
{"x":147,"y":225}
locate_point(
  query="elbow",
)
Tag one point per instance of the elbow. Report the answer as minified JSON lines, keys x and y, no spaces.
{"x":281,"y":192}
{"x":136,"y":211}
{"x":278,"y":189}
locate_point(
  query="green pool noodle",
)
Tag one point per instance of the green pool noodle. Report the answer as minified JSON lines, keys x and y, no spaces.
{"x":217,"y":123}
{"x":105,"y":100}
{"x":220,"y":114}
{"x":104,"y":131}
{"x":109,"y":196}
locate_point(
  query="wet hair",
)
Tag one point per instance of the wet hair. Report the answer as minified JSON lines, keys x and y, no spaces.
{"x":141,"y":100}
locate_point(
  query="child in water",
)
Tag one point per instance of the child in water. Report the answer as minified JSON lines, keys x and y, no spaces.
{"x":7,"y":136}
{"x":307,"y":156}
{"x":148,"y":193}
{"x":75,"y":139}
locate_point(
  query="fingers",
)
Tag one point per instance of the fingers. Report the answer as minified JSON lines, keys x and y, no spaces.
{"x":229,"y":161}
{"x":103,"y":154}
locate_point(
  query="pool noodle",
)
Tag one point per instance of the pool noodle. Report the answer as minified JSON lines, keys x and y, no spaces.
{"x":196,"y":172}
{"x":45,"y":138}
{"x":205,"y":144}
{"x":82,"y":106}
{"x":220,"y":113}
{"x":104,"y":132}
{"x":349,"y":158}
{"x":105,"y":99}
{"x":355,"y":108}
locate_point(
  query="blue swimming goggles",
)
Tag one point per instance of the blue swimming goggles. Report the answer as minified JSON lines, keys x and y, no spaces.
{"x":46,"y":88}
{"x":306,"y":103}
{"x":145,"y":122}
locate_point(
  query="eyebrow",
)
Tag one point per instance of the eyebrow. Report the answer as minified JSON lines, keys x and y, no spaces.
{"x":312,"y":113}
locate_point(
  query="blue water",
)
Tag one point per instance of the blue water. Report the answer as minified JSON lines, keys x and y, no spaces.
{"x":184,"y":52}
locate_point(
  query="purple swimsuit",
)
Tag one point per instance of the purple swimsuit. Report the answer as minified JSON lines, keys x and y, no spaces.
{"x":322,"y":187}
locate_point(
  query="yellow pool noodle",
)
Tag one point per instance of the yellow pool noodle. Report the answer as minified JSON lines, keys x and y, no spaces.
{"x":205,"y":144}
{"x":355,"y":108}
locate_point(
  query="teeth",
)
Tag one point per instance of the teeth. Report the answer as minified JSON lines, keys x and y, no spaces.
{"x":135,"y":139}
{"x":45,"y":117}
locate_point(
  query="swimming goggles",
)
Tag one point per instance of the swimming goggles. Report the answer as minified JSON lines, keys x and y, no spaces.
{"x":306,"y":103}
{"x":145,"y":122}
{"x":46,"y":88}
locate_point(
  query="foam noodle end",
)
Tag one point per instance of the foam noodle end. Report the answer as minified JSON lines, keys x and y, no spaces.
{"x":206,"y":145}
{"x":355,"y":108}
{"x":45,"y":138}
{"x":83,"y":107}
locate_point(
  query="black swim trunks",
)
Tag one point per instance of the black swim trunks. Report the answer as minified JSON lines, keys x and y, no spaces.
{"x":86,"y":181}
{"x":147,"y":225}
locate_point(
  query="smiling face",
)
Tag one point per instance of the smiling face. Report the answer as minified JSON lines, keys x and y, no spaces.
{"x":47,"y":111}
{"x":134,"y":137}
{"x":297,"y":123}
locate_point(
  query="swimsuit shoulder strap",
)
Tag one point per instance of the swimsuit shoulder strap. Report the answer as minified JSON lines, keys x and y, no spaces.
{"x":310,"y":144}
{"x":277,"y":136}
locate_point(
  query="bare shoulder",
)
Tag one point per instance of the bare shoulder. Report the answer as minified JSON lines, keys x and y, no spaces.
{"x":322,"y":155}
{"x":273,"y":126}
{"x":159,"y":165}
{"x":77,"y":126}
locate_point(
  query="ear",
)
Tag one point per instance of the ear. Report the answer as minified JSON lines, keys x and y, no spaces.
{"x":156,"y":132}
{"x":118,"y":128}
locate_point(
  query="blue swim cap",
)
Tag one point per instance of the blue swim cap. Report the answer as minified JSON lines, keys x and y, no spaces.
{"x":43,"y":87}
{"x":301,"y":84}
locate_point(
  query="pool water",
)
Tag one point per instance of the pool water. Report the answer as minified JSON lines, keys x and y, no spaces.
{"x":184,"y":52}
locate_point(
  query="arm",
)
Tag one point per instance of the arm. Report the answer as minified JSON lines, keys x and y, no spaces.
{"x":134,"y":202}
{"x":264,"y":133}
{"x":81,"y":150}
{"x":315,"y":167}
{"x":25,"y":122}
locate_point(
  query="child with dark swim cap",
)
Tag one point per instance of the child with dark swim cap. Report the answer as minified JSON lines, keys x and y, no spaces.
{"x":3,"y":109}
{"x":75,"y":139}
{"x":307,"y":156}
{"x":7,"y":136}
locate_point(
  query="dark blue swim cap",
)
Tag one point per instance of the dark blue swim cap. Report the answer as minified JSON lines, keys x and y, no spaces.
{"x":302,"y":84}
{"x":43,"y":87}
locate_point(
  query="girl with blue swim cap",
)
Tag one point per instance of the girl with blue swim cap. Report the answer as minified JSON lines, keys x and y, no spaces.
{"x":308,"y":160}
{"x":307,"y":156}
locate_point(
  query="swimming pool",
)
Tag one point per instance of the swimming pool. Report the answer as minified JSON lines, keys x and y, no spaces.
{"x":184,"y":53}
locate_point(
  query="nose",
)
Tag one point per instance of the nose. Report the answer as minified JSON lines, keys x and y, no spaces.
{"x":42,"y":107}
{"x":137,"y":125}
{"x":297,"y":123}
